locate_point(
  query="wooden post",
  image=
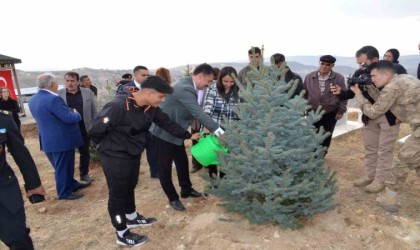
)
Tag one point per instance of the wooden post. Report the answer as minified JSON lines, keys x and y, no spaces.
{"x":22,"y":107}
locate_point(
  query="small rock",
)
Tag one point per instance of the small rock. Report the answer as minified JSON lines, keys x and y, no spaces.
{"x":180,"y":247}
{"x":42,"y":210}
{"x":373,"y":217}
{"x":353,"y":226}
{"x":188,"y":204}
{"x":359,"y":211}
{"x":276,"y":235}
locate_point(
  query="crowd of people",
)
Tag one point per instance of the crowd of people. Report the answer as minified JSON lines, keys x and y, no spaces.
{"x":152,"y":113}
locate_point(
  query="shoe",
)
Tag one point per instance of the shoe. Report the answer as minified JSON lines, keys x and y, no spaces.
{"x":140,"y":221}
{"x":177,"y":205}
{"x":191,"y":193}
{"x":131,"y":239}
{"x":196,"y":168}
{"x":375,"y":187}
{"x":86,"y":178}
{"x":389,"y":201}
{"x":364,"y":181}
{"x":82,"y":185}
{"x":73,"y":196}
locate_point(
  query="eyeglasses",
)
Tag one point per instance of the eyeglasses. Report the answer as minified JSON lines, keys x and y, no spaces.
{"x":326,"y":64}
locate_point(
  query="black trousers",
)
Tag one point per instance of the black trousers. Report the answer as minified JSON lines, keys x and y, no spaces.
{"x":167,"y":153}
{"x":151,"y":153}
{"x":84,"y":155}
{"x":122,"y":177}
{"x":213,"y":173}
{"x":13,"y":230}
{"x":195,"y":163}
{"x":328,"y":121}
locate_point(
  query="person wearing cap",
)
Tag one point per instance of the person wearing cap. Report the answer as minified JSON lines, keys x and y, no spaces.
{"x":379,"y":134}
{"x":126,"y":78}
{"x":317,"y":85}
{"x":392,"y":55}
{"x":119,"y":131}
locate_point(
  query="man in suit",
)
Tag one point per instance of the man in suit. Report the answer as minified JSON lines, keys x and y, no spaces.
{"x":82,"y":100}
{"x":13,"y":230}
{"x":182,"y":107}
{"x":195,"y":125}
{"x":59,"y":134}
{"x":140,"y":74}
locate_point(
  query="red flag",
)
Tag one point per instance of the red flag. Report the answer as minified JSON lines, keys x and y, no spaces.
{"x":6,"y":81}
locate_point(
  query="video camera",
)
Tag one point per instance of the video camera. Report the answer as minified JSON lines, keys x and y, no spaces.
{"x":363,"y":79}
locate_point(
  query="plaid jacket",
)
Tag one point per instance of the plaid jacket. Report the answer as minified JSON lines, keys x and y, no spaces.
{"x":216,"y":106}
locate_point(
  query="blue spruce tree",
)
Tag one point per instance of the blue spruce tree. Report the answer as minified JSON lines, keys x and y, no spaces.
{"x":274,"y":168}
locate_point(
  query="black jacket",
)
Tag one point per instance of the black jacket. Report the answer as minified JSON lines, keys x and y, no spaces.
{"x":10,"y":195}
{"x":12,"y":106}
{"x":120,"y":128}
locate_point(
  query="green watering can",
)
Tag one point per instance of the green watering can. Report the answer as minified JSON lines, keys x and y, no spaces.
{"x":205,"y":150}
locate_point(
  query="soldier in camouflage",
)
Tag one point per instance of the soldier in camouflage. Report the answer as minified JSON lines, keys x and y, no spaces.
{"x":401,"y":95}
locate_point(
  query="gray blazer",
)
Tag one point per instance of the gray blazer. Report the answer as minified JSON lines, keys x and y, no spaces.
{"x":182,"y":107}
{"x":89,"y":107}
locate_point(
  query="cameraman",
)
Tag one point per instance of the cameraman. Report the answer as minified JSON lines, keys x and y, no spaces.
{"x":13,"y":230}
{"x":400,"y":94}
{"x":379,"y":134}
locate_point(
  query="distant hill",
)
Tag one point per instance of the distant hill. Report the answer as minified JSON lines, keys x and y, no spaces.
{"x":301,"y":65}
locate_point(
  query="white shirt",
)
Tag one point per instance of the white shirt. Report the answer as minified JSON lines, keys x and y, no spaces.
{"x":137,"y":84}
{"x":219,"y":131}
{"x":50,"y":91}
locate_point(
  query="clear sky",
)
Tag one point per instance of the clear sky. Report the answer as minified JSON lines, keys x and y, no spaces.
{"x":120,"y":34}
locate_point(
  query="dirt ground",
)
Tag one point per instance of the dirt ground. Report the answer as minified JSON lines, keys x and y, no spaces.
{"x":356,"y":223}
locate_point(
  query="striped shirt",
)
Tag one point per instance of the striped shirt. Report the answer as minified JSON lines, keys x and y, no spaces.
{"x":322,"y":80}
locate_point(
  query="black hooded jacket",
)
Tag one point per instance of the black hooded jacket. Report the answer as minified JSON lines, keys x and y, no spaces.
{"x":120,"y":128}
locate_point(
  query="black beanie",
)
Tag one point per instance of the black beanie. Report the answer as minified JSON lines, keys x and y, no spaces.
{"x":395,"y":54}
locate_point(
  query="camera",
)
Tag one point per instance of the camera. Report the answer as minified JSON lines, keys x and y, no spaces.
{"x":363,"y":79}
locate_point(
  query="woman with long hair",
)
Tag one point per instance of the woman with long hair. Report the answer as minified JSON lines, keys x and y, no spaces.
{"x":219,"y":101}
{"x":10,"y":104}
{"x":165,"y":74}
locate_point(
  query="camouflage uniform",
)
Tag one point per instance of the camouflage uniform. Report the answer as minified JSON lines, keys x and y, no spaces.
{"x":402,"y":96}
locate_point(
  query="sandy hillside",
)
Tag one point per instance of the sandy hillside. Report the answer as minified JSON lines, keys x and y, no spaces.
{"x":356,"y":223}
